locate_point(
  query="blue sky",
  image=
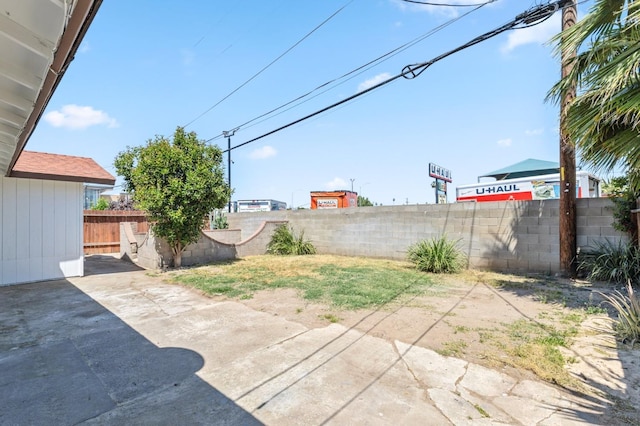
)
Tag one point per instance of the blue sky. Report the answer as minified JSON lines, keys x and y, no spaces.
{"x":147,"y":66}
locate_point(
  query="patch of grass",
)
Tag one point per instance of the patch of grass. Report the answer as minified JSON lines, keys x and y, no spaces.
{"x":331,"y":318}
{"x":573,"y":317}
{"x":595,"y":310}
{"x":536,"y":347}
{"x":482,"y":411}
{"x":460,"y":329}
{"x":343,"y":282}
{"x":453,"y":348}
{"x":550,"y":296}
{"x":486,"y":335}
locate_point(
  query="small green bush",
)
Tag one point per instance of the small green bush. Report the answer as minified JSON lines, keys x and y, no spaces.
{"x":438,"y":255}
{"x":220,"y":222}
{"x":101,"y":204}
{"x":627,"y":327}
{"x":284,"y":241}
{"x":614,"y":262}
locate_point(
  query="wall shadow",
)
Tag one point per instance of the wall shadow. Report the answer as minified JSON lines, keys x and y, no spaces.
{"x":99,"y":264}
{"x":65,"y":359}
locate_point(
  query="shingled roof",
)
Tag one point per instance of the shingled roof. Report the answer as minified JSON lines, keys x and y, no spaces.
{"x":42,"y":165}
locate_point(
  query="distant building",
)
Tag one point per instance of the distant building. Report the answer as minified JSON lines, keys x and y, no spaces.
{"x":333,"y":199}
{"x":93,"y":192}
{"x":260,"y":205}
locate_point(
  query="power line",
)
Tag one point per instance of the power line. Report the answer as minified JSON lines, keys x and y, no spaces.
{"x":353,"y":73}
{"x":428,"y":3}
{"x":272,"y":62}
{"x":533,"y":16}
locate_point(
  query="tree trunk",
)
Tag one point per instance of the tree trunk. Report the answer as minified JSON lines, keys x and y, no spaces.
{"x":568,"y":227}
{"x":177,"y":255}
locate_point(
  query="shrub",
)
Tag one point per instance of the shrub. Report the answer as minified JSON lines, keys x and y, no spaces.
{"x":284,"y":241}
{"x":101,"y":204}
{"x":438,"y":255}
{"x":220,"y":221}
{"x":623,"y":195}
{"x":618,"y":263}
{"x":627,"y":327}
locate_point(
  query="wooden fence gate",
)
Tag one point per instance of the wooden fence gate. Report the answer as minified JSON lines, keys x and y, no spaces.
{"x":102,"y":229}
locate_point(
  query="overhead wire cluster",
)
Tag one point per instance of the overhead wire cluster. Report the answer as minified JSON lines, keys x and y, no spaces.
{"x":335,"y":82}
{"x":429,"y":3}
{"x":333,"y":15}
{"x":530,"y":17}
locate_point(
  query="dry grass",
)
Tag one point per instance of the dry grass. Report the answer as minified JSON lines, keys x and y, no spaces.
{"x":340,"y":283}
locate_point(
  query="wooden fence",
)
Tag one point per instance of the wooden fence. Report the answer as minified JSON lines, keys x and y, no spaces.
{"x":102,"y":229}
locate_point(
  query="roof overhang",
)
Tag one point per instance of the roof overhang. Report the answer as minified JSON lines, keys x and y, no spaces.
{"x":66,"y":168}
{"x":38,"y":40}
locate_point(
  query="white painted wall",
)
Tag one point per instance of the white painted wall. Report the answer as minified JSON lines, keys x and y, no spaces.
{"x":41,"y":228}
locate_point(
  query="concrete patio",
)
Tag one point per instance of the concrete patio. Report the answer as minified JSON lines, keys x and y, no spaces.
{"x":120,"y":346}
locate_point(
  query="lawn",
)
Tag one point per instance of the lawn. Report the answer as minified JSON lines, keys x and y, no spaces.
{"x":342,"y":282}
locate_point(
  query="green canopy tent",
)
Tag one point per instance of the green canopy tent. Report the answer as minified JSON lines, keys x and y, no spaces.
{"x":526,"y":168}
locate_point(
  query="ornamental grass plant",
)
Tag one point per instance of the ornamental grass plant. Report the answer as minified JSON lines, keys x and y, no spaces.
{"x":618,"y":263}
{"x":437,"y":255}
{"x":284,"y":241}
{"x":627,"y":306}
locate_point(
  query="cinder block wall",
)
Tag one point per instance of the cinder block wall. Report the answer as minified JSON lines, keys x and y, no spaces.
{"x":503,"y":236}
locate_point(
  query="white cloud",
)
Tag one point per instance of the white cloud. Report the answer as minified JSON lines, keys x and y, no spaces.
{"x":505,"y":142}
{"x":263,"y":153}
{"x":79,"y":117}
{"x":534,"y":132}
{"x":373,"y":81}
{"x":538,"y":34}
{"x":336,"y":183}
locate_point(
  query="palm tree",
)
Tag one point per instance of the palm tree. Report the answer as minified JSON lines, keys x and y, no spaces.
{"x":604,"y":117}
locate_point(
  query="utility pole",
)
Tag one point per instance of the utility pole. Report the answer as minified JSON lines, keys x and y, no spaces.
{"x":228,"y":134}
{"x":352,"y":183}
{"x":568,"y":227}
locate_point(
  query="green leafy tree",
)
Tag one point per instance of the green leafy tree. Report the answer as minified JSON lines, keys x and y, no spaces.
{"x":364,"y":201}
{"x":604,"y":117}
{"x":177,"y":183}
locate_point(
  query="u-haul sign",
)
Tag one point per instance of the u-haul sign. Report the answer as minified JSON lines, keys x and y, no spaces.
{"x":438,"y":172}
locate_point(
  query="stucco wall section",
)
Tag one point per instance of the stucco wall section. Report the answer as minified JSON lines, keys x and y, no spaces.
{"x":155,"y":253}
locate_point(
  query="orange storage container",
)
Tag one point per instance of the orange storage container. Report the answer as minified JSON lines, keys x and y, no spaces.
{"x":333,"y":199}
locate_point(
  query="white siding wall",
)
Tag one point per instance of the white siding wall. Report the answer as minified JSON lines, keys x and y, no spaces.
{"x":41,"y":227}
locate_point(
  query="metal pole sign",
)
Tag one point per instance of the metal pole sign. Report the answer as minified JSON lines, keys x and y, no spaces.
{"x":442,"y":176}
{"x":438,"y":172}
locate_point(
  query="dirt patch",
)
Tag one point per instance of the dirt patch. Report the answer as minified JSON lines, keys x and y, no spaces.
{"x":477,"y":318}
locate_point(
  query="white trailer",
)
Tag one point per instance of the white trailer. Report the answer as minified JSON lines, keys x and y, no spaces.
{"x":542,"y":187}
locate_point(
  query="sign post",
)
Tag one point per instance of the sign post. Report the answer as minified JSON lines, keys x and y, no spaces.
{"x":442,"y":176}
